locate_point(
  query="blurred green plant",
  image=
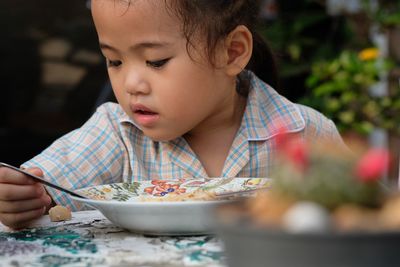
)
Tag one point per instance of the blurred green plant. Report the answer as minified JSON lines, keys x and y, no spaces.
{"x":386,"y":15}
{"x":290,"y":38}
{"x":342,"y":90}
{"x":303,"y":33}
{"x":326,"y":174}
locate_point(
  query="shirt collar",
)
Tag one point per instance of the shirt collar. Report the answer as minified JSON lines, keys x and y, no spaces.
{"x":267,"y":112}
{"x":125,"y":119}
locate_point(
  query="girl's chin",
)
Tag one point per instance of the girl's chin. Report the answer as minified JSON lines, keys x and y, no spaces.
{"x":158,"y":136}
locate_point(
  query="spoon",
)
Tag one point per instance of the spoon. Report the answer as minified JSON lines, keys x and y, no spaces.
{"x":43,"y":181}
{"x":239,"y":193}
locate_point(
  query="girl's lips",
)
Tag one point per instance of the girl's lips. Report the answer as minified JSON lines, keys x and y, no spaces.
{"x":139,"y":108}
{"x":143,"y":115}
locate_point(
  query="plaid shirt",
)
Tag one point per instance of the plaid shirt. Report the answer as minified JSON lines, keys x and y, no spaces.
{"x":109,"y":148}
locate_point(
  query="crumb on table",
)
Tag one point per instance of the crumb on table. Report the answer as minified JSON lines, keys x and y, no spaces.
{"x":60,"y":213}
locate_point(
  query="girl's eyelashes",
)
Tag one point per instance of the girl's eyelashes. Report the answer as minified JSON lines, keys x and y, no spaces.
{"x":154,"y":64}
{"x":157,"y":63}
{"x":113,"y":63}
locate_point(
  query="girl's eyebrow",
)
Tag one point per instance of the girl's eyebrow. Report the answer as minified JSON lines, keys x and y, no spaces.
{"x":138,"y":46}
{"x":107,"y":47}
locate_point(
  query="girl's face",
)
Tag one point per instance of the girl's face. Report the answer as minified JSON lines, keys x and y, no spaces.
{"x":165,"y":91}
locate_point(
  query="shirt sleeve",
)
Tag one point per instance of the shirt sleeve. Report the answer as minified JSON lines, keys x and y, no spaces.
{"x":88,"y":156}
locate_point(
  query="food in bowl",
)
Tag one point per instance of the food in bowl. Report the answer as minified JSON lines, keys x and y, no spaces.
{"x":198,"y":195}
{"x":191,"y":189}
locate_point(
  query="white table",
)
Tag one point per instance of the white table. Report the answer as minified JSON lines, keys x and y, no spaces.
{"x":89,"y":239}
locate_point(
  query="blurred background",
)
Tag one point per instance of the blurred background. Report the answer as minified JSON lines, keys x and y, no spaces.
{"x":341,"y":57}
{"x":52,"y":74}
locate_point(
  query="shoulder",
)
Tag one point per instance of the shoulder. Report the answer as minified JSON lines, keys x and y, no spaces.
{"x":274,"y":103}
{"x":267,"y":112}
{"x":318,"y":125}
{"x":313,"y":117}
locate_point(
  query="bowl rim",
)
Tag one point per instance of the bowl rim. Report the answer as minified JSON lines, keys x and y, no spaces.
{"x":150,"y":203}
{"x":157,"y":203}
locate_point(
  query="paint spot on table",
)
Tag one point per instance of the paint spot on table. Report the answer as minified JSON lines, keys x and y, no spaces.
{"x":197,"y":249}
{"x":53,"y":236}
{"x":201,"y":255}
{"x":58,"y":261}
{"x":13,"y":247}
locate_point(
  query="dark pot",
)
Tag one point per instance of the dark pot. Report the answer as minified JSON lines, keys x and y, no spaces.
{"x":249,"y":246}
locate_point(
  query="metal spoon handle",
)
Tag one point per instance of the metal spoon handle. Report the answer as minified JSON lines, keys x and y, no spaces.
{"x":43,"y":181}
{"x":239,"y":193}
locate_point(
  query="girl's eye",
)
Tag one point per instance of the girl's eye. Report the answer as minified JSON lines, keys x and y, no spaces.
{"x":113,"y":63}
{"x":158,"y":63}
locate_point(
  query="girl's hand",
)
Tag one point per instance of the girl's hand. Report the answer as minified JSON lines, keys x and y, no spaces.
{"x":21,"y":198}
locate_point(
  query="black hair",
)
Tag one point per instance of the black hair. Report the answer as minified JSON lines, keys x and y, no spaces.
{"x":215,"y":19}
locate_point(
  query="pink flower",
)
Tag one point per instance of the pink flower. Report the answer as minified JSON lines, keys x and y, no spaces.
{"x":296,"y":151}
{"x":372,"y":165}
{"x":293,"y":148}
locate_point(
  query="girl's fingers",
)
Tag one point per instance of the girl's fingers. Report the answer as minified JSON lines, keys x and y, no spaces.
{"x":20,"y":220}
{"x":10,"y":176}
{"x":11,"y":192}
{"x":21,"y":198}
{"x":35,"y":171}
{"x":25,"y":205}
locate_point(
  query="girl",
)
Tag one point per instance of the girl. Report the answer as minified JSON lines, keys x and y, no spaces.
{"x":194,"y":84}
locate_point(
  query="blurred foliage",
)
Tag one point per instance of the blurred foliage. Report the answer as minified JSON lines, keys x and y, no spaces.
{"x":303,"y":33}
{"x":387,"y":15}
{"x":342,"y":87}
{"x":329,"y":181}
{"x":342,"y":90}
{"x":321,"y":65}
{"x":327,"y":174}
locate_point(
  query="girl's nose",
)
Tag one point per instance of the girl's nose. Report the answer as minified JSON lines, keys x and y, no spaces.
{"x":136,"y":84}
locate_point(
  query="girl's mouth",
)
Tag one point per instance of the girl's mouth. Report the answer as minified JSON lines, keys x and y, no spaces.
{"x":144,"y":116}
{"x":144,"y":112}
{"x":141,"y":109}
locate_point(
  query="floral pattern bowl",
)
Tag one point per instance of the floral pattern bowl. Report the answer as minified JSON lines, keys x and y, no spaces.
{"x":147,"y":207}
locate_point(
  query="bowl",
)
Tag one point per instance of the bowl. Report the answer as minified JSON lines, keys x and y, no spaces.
{"x":254,"y":246}
{"x":147,"y":207}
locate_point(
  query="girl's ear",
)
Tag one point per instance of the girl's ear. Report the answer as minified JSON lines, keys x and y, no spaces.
{"x":238,"y":50}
